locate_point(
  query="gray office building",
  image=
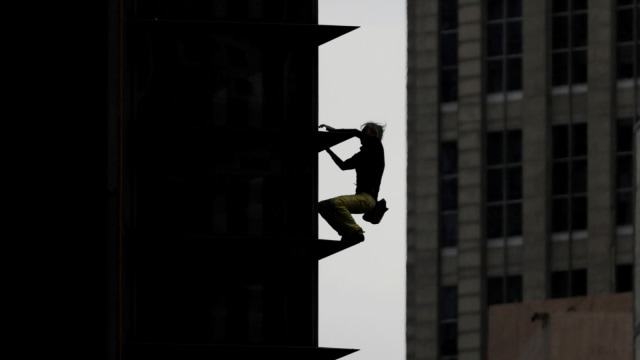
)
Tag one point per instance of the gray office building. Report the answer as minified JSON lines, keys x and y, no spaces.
{"x":520,"y":178}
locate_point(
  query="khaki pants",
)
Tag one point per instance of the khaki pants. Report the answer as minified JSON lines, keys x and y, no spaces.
{"x":337,"y":211}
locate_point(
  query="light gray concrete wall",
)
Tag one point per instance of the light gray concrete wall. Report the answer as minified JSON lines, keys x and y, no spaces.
{"x":470,"y":182}
{"x":422,"y":180}
{"x":535,"y":150}
{"x":601,"y":120}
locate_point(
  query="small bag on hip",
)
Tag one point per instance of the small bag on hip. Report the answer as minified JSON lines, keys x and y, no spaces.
{"x":375,"y":215}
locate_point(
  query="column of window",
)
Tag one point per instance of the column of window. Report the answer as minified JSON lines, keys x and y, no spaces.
{"x":568,"y":283}
{"x":448,"y":329}
{"x":624,"y":173}
{"x":504,"y":45}
{"x":569,"y":178}
{"x":504,"y":289}
{"x":504,"y":184}
{"x":448,"y":194}
{"x":569,"y":42}
{"x":627,"y":39}
{"x":448,"y":51}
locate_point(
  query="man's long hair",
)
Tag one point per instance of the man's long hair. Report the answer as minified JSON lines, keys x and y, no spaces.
{"x":378,"y":129}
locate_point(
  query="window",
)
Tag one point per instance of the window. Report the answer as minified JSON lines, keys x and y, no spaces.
{"x":448,"y":323}
{"x":627,"y":39}
{"x":568,"y":283}
{"x":448,"y":51}
{"x":504,"y":184}
{"x":569,"y":178}
{"x":624,"y":278}
{"x":569,"y":42}
{"x":504,"y":289}
{"x":504,"y":45}
{"x":624,"y":173}
{"x":448,"y":194}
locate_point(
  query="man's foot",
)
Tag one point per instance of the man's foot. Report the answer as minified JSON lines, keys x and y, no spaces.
{"x":354,"y":237}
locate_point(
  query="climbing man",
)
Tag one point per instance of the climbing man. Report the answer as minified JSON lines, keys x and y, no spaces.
{"x":369,"y":166}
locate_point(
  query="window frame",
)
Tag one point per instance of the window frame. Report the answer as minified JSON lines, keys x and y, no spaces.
{"x":504,"y":59}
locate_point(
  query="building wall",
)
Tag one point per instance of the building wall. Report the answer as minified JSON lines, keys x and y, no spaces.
{"x":422,"y":147}
{"x":593,"y":327}
{"x":538,"y":256}
{"x":209,"y":208}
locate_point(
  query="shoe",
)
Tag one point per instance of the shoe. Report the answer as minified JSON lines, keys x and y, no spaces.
{"x":354,"y":237}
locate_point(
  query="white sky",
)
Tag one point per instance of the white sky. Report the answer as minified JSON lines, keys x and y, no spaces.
{"x":362,"y":78}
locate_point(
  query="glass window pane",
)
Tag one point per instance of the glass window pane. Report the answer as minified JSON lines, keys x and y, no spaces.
{"x":624,"y":208}
{"x":560,"y":69}
{"x":637,"y":51}
{"x":494,"y":185}
{"x":514,"y":8}
{"x":559,"y":284}
{"x":494,"y":148}
{"x":560,"y":215}
{"x":449,"y":53}
{"x":449,"y":194}
{"x":624,"y":136}
{"x":579,"y":5}
{"x":579,"y":139}
{"x":579,"y":30}
{"x":559,"y":5}
{"x":514,"y":146}
{"x":560,"y":31}
{"x":514,"y":289}
{"x":514,"y":183}
{"x":449,"y":85}
{"x":495,"y":40}
{"x":560,"y":176}
{"x":560,"y":141}
{"x":448,"y":315}
{"x":624,"y":278}
{"x":579,"y":282}
{"x":579,"y":213}
{"x":495,"y":290}
{"x":625,"y":62}
{"x":494,"y":221}
{"x":579,"y":69}
{"x":637,"y":23}
{"x":624,"y":171}
{"x":448,"y":339}
{"x":449,"y":230}
{"x":448,"y":303}
{"x":514,"y":74}
{"x":448,"y":158}
{"x":514,"y":219}
{"x":579,"y":176}
{"x":494,"y":11}
{"x":514,"y":37}
{"x":624,"y":28}
{"x":449,"y":14}
{"x":494,"y":77}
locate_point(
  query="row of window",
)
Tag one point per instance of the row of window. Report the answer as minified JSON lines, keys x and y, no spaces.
{"x":508,"y":289}
{"x":569,"y":29}
{"x":504,"y":189}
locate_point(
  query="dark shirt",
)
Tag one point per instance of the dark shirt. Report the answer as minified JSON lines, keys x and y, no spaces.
{"x":368,"y":163}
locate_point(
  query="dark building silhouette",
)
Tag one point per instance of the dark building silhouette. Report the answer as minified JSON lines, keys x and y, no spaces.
{"x":213,"y":141}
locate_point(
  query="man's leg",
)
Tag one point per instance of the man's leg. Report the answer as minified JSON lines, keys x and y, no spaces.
{"x":337,"y":212}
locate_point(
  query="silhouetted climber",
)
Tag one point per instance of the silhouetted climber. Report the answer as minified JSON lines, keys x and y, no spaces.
{"x":369,"y":166}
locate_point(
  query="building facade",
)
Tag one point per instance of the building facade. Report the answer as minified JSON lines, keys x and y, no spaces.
{"x":520,"y":186}
{"x":212,"y":139}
